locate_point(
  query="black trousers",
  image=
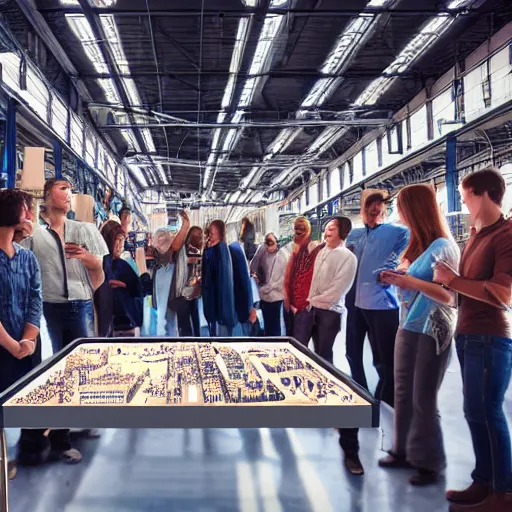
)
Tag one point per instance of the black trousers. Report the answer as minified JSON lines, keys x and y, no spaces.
{"x":188,"y":317}
{"x":320,"y":324}
{"x":272,"y":317}
{"x":381,"y":327}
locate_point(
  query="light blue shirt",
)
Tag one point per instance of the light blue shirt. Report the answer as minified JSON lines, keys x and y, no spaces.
{"x":418,"y":307}
{"x":377,"y":249}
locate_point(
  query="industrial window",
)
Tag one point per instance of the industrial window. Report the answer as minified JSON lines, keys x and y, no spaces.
{"x":335,"y":181}
{"x":76,"y":134}
{"x":59,"y":117}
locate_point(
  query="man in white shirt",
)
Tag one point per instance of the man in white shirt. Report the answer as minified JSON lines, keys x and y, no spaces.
{"x":333,"y":275}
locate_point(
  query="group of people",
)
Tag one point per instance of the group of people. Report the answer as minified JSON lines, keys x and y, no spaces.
{"x":406,"y":287}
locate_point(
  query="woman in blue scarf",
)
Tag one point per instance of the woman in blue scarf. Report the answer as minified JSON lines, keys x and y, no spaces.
{"x":217,"y":283}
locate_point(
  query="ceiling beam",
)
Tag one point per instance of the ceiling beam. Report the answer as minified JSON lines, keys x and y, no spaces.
{"x":309,"y":73}
{"x":244,"y":12}
{"x":110,"y":59}
{"x":36,"y":19}
{"x":248,"y":124}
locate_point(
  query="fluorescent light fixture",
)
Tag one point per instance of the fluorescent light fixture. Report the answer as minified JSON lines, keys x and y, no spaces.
{"x":377,"y":3}
{"x":250,"y":3}
{"x":83,"y":31}
{"x":247,"y":181}
{"x":131,"y":140}
{"x":138,"y":174}
{"x":148,"y":140}
{"x":374,"y":91}
{"x":271,"y":27}
{"x":161,"y":173}
{"x":283,"y":140}
{"x":457,"y":4}
{"x":208,"y":171}
{"x":235,"y":196}
{"x":230,"y":140}
{"x":132,"y":91}
{"x":238,"y":50}
{"x":278,"y":3}
{"x":429,"y":33}
{"x":110,"y":90}
{"x":248,"y":92}
{"x":228,"y":92}
{"x":112,"y":35}
{"x":95,"y":3}
{"x":323,"y":88}
{"x":326,"y":139}
{"x":346,"y":43}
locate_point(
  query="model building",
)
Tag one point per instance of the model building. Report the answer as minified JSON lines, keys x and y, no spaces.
{"x":176,"y":373}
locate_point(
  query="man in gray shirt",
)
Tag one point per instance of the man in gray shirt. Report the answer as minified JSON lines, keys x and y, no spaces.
{"x":70,"y":255}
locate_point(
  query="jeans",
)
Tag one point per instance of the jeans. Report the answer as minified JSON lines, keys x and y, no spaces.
{"x":486,"y":363}
{"x":68,"y":321}
{"x":272,"y":317}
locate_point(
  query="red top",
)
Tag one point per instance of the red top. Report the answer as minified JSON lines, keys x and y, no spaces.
{"x":303,"y":265}
{"x":487,"y":262}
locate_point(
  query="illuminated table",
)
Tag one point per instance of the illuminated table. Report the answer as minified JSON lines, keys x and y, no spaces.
{"x":184,"y":383}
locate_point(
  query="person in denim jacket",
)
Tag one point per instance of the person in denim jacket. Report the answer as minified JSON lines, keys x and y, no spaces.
{"x":372,"y":306}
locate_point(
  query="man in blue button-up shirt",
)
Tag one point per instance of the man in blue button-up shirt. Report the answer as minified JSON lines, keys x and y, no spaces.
{"x":373,"y":307}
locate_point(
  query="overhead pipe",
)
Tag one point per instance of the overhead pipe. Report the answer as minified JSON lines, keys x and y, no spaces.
{"x":270,"y":124}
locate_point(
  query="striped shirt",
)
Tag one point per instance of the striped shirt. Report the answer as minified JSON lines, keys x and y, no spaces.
{"x":20,"y":292}
{"x":65,"y":279}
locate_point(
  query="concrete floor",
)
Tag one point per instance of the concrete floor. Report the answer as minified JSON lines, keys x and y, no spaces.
{"x":267,"y":470}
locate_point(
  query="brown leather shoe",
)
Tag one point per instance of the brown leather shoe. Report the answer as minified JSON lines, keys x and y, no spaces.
{"x":393,"y":461}
{"x":474,"y":494}
{"x":496,"y":502}
{"x":424,"y":477}
{"x":353,"y":464}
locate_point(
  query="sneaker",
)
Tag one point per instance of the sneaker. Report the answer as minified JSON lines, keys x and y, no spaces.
{"x":475,"y":493}
{"x":70,"y":456}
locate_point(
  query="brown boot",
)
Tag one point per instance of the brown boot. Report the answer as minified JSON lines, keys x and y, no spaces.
{"x":496,"y":502}
{"x":474,"y":494}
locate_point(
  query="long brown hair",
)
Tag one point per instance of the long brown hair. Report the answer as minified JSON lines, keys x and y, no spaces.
{"x":417,"y":205}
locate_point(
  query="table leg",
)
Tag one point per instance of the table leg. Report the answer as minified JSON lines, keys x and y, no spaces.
{"x":4,"y":473}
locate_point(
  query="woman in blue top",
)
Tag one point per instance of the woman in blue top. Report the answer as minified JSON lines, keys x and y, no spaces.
{"x":423,"y":340}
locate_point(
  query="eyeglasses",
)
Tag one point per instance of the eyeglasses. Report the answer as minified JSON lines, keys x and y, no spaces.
{"x":270,"y":243}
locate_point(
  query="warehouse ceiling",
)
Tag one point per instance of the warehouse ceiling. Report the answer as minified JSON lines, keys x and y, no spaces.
{"x":240,"y":101}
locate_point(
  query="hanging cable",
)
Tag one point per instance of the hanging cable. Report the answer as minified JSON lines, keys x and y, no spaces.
{"x":159,"y":78}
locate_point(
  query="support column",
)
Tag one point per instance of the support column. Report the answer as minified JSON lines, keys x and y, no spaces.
{"x":9,"y":153}
{"x":57,"y":158}
{"x":451,"y":175}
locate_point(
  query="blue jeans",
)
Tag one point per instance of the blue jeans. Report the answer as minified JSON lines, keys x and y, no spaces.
{"x":68,"y":321}
{"x":486,"y":363}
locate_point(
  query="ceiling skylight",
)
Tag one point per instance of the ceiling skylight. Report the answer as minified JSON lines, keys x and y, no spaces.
{"x":346,"y":43}
{"x":429,"y":33}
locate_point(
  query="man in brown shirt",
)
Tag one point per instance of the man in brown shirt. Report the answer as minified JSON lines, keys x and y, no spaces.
{"x":483,"y":341}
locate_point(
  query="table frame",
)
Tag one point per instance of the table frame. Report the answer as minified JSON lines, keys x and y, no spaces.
{"x":218,"y":416}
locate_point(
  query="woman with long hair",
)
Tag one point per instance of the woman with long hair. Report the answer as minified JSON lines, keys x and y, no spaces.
{"x":424,"y":338}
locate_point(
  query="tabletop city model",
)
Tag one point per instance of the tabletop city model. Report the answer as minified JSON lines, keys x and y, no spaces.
{"x":187,"y":384}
